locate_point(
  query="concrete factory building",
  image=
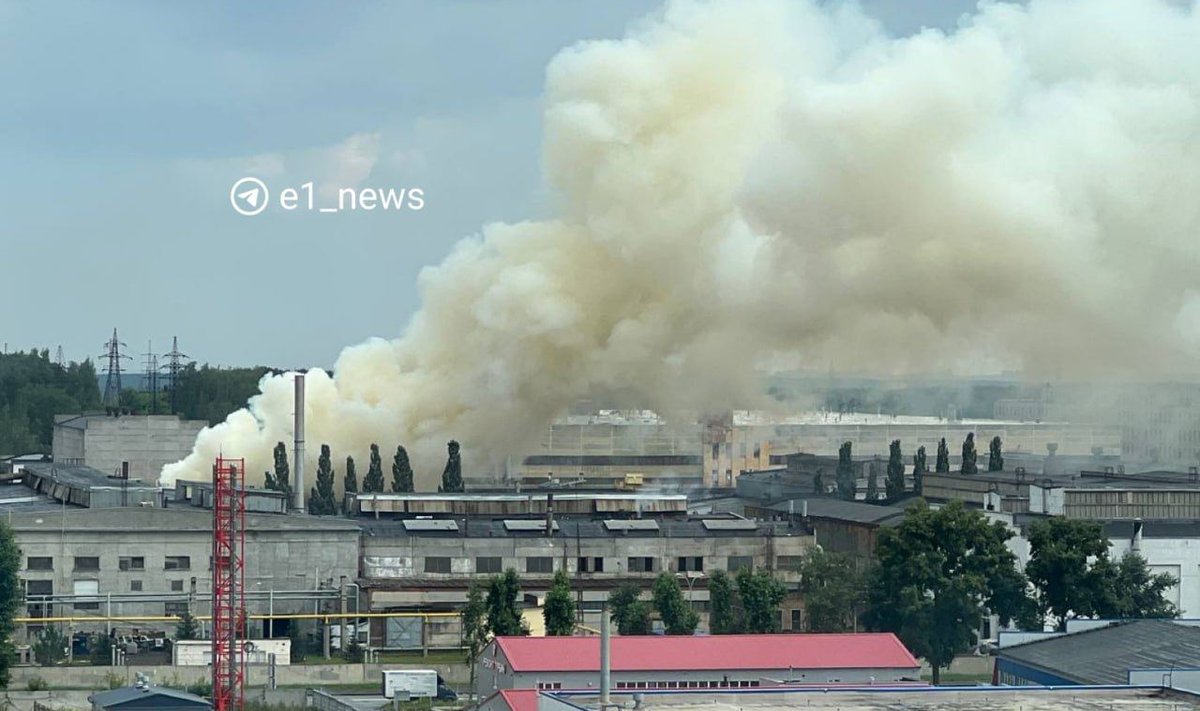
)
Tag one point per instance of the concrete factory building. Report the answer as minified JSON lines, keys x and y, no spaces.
{"x":147,"y":442}
{"x":716,"y":662}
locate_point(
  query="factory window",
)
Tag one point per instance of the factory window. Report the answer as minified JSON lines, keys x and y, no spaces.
{"x":693,"y":564}
{"x":789,"y":562}
{"x":437,"y":564}
{"x":176,"y":586}
{"x":177,"y":562}
{"x":135,"y":586}
{"x":539,"y":564}
{"x":35,"y":589}
{"x":38,"y":562}
{"x":488,"y":564}
{"x":591,"y":564}
{"x":738,"y":562}
{"x":87,"y":562}
{"x":175,"y":609}
{"x":87,"y":588}
{"x":131,"y":563}
{"x":641,"y":564}
{"x":797,"y":620}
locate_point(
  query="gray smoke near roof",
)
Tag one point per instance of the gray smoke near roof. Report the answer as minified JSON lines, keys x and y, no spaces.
{"x":753,"y":184}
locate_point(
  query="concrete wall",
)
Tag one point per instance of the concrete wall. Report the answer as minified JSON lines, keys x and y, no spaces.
{"x":457,"y":675}
{"x":147,"y":442}
{"x":1178,"y":556}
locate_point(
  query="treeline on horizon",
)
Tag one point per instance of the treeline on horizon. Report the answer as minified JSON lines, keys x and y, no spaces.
{"x":33,"y":389}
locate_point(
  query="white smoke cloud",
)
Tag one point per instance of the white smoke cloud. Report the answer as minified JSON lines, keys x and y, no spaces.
{"x":750,"y":181}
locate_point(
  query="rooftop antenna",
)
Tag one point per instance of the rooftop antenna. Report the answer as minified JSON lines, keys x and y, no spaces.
{"x":175,"y":362}
{"x":112,"y":384}
{"x":150,"y":385}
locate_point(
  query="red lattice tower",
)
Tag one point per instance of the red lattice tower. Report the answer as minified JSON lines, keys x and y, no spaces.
{"x":228,"y":584}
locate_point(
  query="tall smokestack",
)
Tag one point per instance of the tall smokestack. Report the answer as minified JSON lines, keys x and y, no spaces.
{"x":605,"y":665}
{"x":298,"y":451}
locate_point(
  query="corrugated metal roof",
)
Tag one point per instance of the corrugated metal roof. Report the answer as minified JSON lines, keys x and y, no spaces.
{"x":171,"y":698}
{"x":1106,"y":654}
{"x":720,"y":652}
{"x":520,"y":699}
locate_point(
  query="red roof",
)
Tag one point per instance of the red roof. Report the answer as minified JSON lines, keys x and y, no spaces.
{"x":717,"y":652}
{"x":520,"y":699}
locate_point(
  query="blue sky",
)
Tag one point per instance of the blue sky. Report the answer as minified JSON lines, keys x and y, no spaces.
{"x":125,"y":123}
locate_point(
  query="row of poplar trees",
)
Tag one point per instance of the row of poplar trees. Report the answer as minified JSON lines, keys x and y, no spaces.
{"x":846,"y":483}
{"x":322,"y":500}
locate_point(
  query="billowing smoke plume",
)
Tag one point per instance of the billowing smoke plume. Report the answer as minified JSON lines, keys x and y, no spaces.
{"x":746,"y":183}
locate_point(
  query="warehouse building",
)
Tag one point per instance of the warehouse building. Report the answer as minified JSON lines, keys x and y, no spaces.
{"x":428,"y":564}
{"x":146,"y":442}
{"x":156,"y":562}
{"x":716,"y":662}
{"x":1113,"y":654}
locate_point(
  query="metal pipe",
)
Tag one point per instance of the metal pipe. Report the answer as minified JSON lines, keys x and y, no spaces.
{"x":298,"y":451}
{"x":605,"y":662}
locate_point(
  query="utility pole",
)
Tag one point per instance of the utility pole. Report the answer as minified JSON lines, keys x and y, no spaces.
{"x":175,"y":361}
{"x":112,"y":384}
{"x":151,"y":383}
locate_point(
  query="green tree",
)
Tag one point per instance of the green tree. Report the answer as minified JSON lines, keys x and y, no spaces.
{"x":503,"y":615}
{"x":100,"y":650}
{"x":33,"y":389}
{"x":475,"y":632}
{"x":847,"y":484}
{"x":894,"y":485}
{"x":322,"y":501}
{"x":873,"y":482}
{"x":350,"y":483}
{"x":1060,"y":567}
{"x":1133,"y":591}
{"x":402,"y":473}
{"x":452,"y":475}
{"x":919,"y":469}
{"x":995,"y":456}
{"x":186,"y":627}
{"x":760,"y":594}
{"x":943,"y":458}
{"x":559,"y":609}
{"x":629,"y":611}
{"x":834,"y":591}
{"x":373,"y":481}
{"x":818,"y":482}
{"x":969,"y":456}
{"x":724,"y":614}
{"x":10,"y":597}
{"x":209,"y":393}
{"x":677,"y":614}
{"x":281,"y":481}
{"x":50,"y":648}
{"x":936,"y":575}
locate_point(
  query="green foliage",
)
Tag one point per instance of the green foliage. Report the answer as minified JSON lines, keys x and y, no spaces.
{"x":969,"y":456}
{"x":919,"y":469}
{"x":760,"y":594}
{"x":350,"y":483}
{"x":1070,"y":569}
{"x":112,"y":680}
{"x":322,"y":501}
{"x":503,"y":615}
{"x":299,"y":642}
{"x":475,"y":633}
{"x":373,"y":481}
{"x":559,"y":609}
{"x":208,"y":393}
{"x":872,"y":482}
{"x":894,"y":484}
{"x":677,"y":614}
{"x":33,"y":389}
{"x":402,"y":472}
{"x":200,"y":687}
{"x":50,"y":648}
{"x":186,"y":627}
{"x":353,"y":651}
{"x":452,"y":475}
{"x":995,"y":455}
{"x":834,"y":591}
{"x":819,"y":482}
{"x":281,"y":479}
{"x":847,"y":483}
{"x":629,"y":611}
{"x":724,"y":615}
{"x":936,"y":574}
{"x":10,"y":597}
{"x":36,"y":683}
{"x":943,"y":458}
